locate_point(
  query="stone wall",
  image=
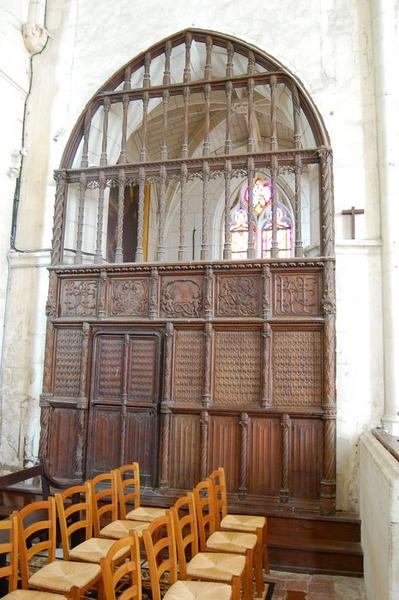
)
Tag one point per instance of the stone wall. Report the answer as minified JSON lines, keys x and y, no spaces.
{"x":327,"y":45}
{"x":379,"y":511}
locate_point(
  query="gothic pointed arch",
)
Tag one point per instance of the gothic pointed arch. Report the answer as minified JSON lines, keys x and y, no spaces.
{"x":191,"y":355}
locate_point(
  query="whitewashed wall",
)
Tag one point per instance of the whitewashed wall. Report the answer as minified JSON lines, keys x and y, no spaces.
{"x":327,"y":44}
{"x":379,"y":511}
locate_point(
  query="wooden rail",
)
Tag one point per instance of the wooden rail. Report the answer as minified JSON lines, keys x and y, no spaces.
{"x":20,"y":476}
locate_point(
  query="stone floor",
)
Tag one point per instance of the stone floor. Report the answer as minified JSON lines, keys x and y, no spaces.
{"x":316,"y":587}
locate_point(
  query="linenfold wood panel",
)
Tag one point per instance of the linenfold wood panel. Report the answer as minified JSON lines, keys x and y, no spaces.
{"x":185,"y":451}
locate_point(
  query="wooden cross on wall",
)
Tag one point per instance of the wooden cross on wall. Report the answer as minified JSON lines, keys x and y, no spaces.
{"x":353,"y":212}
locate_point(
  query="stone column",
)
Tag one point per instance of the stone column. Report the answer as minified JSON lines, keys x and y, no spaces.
{"x":386,"y":58}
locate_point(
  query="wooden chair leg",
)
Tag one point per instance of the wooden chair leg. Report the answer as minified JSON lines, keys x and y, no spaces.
{"x":235,"y":584}
{"x":265,"y":551}
{"x":258,"y":568}
{"x":247,"y":580}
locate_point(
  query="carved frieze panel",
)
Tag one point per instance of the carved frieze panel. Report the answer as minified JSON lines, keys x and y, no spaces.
{"x":142,"y":369}
{"x":78,"y":297}
{"x":109,"y":367}
{"x":67,"y":362}
{"x":238,"y":296}
{"x":189,"y":362}
{"x":297,"y":368}
{"x":129,"y":297}
{"x":296,"y":294}
{"x":182,"y":297}
{"x":237,"y":368}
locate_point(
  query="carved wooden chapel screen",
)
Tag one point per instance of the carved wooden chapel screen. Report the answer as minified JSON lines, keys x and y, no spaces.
{"x":191,"y":300}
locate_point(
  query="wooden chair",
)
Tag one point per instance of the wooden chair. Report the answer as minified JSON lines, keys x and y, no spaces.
{"x":77,"y":517}
{"x":63,"y":576}
{"x":129,"y":570}
{"x":222,"y":541}
{"x":128,"y":477}
{"x":105,"y":507}
{"x":246,"y":523}
{"x":160,"y":547}
{"x":9,"y":547}
{"x":219,"y":566}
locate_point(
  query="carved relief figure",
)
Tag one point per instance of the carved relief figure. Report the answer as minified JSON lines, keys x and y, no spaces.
{"x":238,"y":296}
{"x":181,"y":298}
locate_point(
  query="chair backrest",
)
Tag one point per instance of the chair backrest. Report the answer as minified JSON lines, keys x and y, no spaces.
{"x":219,"y":483}
{"x":185,"y":529}
{"x":160,"y":548}
{"x":104,"y":498}
{"x":9,"y":546}
{"x":75,"y":513}
{"x":114,"y":569}
{"x":36,"y":521}
{"x":205,"y":506}
{"x":128,"y":476}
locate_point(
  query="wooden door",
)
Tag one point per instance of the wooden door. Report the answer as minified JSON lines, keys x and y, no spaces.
{"x":124,"y":402}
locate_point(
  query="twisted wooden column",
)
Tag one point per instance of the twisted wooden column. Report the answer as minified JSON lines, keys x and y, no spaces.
{"x":81,"y":213}
{"x":104,"y":143}
{"x":242,"y":489}
{"x":140,"y":219}
{"x":327,"y":203}
{"x":86,"y":132}
{"x":204,"y":424}
{"x":206,"y":396}
{"x":58,"y":221}
{"x":119,"y":225}
{"x":122,"y":449}
{"x":285,"y":453}
{"x":165,"y":406}
{"x":82,"y":406}
{"x":100,"y":219}
{"x":328,"y":482}
{"x":267,"y":366}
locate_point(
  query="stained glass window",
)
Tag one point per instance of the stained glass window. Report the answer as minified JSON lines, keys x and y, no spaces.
{"x":284,"y":235}
{"x":262,"y":195}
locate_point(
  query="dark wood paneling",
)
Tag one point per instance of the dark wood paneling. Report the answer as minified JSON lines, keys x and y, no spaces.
{"x":108,"y":367}
{"x":264,"y":456}
{"x":297,"y":368}
{"x":62,"y":443}
{"x":104,"y":438}
{"x":189,"y":364}
{"x":224,"y":448}
{"x":306,"y":458}
{"x":184,"y":451}
{"x":67,"y":362}
{"x":142,"y":380}
{"x":237,"y":374}
{"x":142,"y":443}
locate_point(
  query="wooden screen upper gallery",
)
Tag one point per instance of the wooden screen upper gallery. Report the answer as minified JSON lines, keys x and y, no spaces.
{"x":202,"y":148}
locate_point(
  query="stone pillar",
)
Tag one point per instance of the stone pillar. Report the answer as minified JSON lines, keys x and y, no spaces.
{"x":386,"y":58}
